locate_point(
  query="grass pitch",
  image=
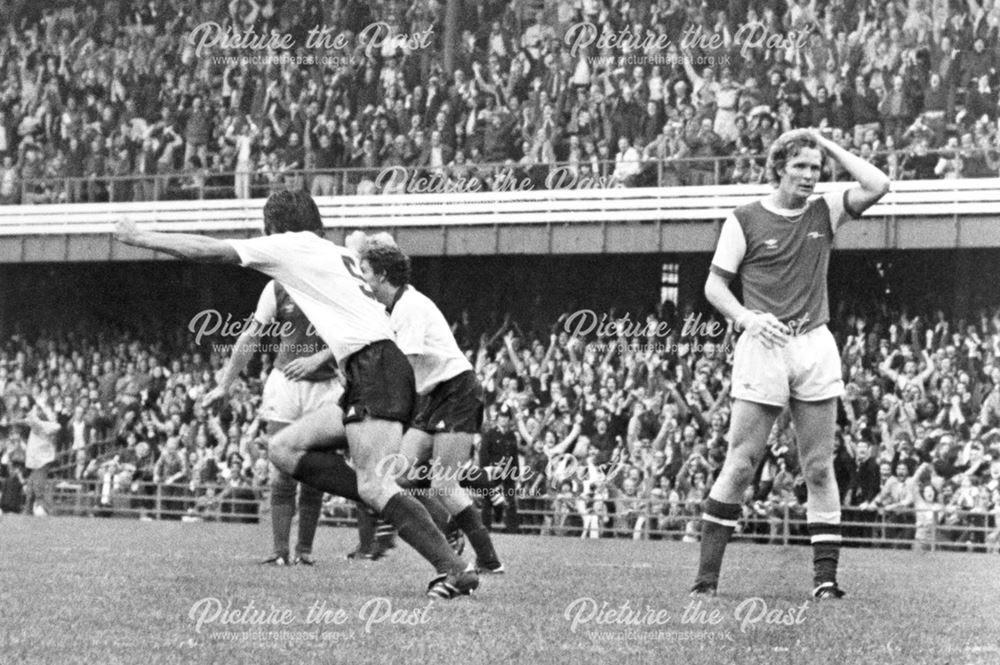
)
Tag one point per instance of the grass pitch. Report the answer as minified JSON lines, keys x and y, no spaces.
{"x":97,"y":591}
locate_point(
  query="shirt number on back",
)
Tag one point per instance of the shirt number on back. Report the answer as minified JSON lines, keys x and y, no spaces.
{"x":356,"y":274}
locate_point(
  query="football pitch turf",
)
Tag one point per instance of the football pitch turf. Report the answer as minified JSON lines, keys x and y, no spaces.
{"x":109,"y":591}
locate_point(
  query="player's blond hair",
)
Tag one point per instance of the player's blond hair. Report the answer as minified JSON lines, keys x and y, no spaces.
{"x":785,"y":147}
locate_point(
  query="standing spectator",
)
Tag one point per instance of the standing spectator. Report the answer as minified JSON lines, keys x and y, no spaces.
{"x":326,"y":157}
{"x":498,"y":454}
{"x":40,"y":453}
{"x":9,"y":182}
{"x":864,"y":487}
{"x":627,"y":163}
{"x":169,"y":473}
{"x":864,"y":109}
{"x":895,"y":500}
{"x":704,"y":144}
{"x":242,"y":133}
{"x":196,"y":132}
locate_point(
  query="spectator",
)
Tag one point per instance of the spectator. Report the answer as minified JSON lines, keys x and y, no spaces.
{"x":39,"y":455}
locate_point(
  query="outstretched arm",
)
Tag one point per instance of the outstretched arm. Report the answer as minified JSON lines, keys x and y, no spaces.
{"x":182,"y":245}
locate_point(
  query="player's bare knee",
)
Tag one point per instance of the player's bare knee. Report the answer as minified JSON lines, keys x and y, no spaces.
{"x":375,"y":489}
{"x":742,"y":469}
{"x":445,"y":486}
{"x":281,"y":458}
{"x":282,"y":484}
{"x":817,"y":472}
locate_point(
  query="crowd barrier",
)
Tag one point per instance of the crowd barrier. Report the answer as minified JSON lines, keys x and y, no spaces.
{"x":195,"y":184}
{"x":543,"y":515}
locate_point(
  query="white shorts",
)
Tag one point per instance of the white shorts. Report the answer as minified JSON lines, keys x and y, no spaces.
{"x":806,"y":369}
{"x":286,"y":401}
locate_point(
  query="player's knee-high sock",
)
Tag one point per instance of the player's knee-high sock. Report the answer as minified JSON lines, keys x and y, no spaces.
{"x":366,"y":528}
{"x":471,"y":523}
{"x":825,"y":536}
{"x":417,"y":529}
{"x":328,"y":472}
{"x":718,"y":520}
{"x":310,"y":505}
{"x":385,"y":533}
{"x":282,"y":511}
{"x":419,"y":489}
{"x":436,"y":509}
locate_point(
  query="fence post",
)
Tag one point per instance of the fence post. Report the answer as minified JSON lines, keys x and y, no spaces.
{"x":158,"y":499}
{"x":785,"y":527}
{"x":933,"y":530}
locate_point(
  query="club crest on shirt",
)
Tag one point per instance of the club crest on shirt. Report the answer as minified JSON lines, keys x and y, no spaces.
{"x":814,"y":234}
{"x":771,"y":243}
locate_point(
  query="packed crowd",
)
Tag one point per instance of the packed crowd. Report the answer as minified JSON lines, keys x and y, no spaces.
{"x":131,"y":418}
{"x":651,"y":92}
{"x":621,"y":435}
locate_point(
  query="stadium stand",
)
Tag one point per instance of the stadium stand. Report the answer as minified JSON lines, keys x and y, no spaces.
{"x":621,"y":435}
{"x":96,"y":108}
{"x":620,"y":440}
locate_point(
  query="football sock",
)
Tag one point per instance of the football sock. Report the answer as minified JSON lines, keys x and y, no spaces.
{"x":825,"y":536}
{"x":385,"y":533}
{"x":471,"y":524}
{"x":366,"y":528}
{"x":282,"y":512}
{"x":328,"y":472}
{"x":436,"y":509}
{"x":417,"y":529}
{"x":718,"y":521}
{"x":310,"y":505}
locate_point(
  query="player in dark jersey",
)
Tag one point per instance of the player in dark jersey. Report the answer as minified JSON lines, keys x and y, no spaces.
{"x":780,"y":248}
{"x":378,"y":380}
{"x":304,"y":379}
{"x":450,"y":409}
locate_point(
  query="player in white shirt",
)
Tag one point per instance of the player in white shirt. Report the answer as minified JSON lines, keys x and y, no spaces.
{"x":450,"y":398}
{"x":324,"y":280}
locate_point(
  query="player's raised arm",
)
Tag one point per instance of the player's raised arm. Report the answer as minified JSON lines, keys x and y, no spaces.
{"x":182,"y":245}
{"x":873,"y":183}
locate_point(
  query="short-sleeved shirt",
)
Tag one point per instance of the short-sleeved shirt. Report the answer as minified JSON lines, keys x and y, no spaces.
{"x":325,"y":282}
{"x":782,"y":257}
{"x":423,"y":333}
{"x":297,"y":336}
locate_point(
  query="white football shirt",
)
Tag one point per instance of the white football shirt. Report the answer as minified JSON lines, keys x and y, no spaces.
{"x":267,"y":305}
{"x":423,"y":334}
{"x":324,"y":280}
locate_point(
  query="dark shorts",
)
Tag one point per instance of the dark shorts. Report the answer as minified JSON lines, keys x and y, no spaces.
{"x":455,"y":405}
{"x":379,"y":384}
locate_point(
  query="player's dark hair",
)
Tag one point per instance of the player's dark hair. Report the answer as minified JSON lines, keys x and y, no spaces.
{"x":388,"y":260}
{"x":290,"y":212}
{"x":784,"y":148}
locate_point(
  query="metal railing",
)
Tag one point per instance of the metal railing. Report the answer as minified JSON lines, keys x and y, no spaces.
{"x":468,"y":177}
{"x":115,"y":495}
{"x":657,"y":519}
{"x":776,"y":525}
